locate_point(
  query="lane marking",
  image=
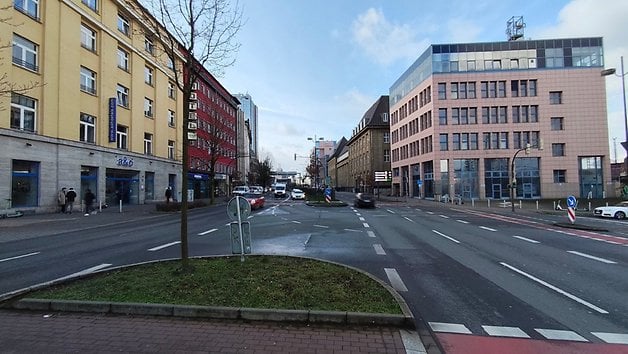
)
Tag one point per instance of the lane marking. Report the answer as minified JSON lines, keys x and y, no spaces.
{"x":370,"y":233}
{"x":445,"y":236}
{"x":487,"y":228}
{"x":407,"y":218}
{"x":526,"y":239}
{"x":592,"y":257}
{"x":365,"y":224}
{"x":449,"y":327}
{"x":462,"y":221}
{"x":357,"y":214}
{"x":352,"y":230}
{"x":18,"y":257}
{"x":502,"y":331}
{"x":362,"y":219}
{"x":418,"y":209}
{"x":379,"y":249}
{"x":164,"y":246}
{"x":613,"y":338}
{"x":296,"y":222}
{"x":556,"y":289}
{"x":395,"y":279}
{"x":444,"y":216}
{"x":390,"y":211}
{"x":430,"y":212}
{"x":207,"y":232}
{"x":560,"y":335}
{"x":321,"y":226}
{"x":412,"y":342}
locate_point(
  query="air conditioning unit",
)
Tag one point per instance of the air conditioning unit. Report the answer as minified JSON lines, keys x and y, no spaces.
{"x":193,"y":96}
{"x":193,"y":105}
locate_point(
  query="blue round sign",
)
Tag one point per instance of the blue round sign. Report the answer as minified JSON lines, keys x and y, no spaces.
{"x":571,"y":201}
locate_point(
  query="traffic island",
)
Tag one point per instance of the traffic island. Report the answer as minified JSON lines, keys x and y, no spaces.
{"x":580,"y":227}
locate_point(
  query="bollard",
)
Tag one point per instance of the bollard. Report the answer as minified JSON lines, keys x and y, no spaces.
{"x":606,"y":203}
{"x":489,"y":202}
{"x":472,"y":202}
{"x":589,"y":206}
{"x":519,"y":203}
{"x":100,"y":206}
{"x":120,"y":205}
{"x":554,"y":205}
{"x":537,"y":205}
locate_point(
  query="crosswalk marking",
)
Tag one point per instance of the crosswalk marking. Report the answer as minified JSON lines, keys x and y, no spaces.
{"x":449,"y":327}
{"x":379,"y":249}
{"x":370,"y":233}
{"x":560,"y":334}
{"x":395,"y":279}
{"x":613,"y":338}
{"x":503,"y":331}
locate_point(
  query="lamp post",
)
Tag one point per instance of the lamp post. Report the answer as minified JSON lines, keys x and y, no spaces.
{"x":611,"y":71}
{"x":513,"y":178}
{"x":315,"y":140}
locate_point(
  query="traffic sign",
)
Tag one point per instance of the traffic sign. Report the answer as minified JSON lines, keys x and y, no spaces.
{"x":328,"y":194}
{"x":238,"y":205}
{"x":571,"y":201}
{"x":419,"y":183}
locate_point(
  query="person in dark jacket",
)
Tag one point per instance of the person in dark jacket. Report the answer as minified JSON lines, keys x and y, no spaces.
{"x":89,"y":202}
{"x":168,"y":194}
{"x":70,"y":196}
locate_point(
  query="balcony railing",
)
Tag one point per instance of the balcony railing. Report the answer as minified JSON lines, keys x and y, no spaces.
{"x":88,"y":89}
{"x":26,"y":64}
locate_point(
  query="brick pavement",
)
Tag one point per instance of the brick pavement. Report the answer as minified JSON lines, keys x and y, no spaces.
{"x":32,"y":332}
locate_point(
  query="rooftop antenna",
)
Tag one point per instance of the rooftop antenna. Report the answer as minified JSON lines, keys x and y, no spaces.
{"x":514,"y":28}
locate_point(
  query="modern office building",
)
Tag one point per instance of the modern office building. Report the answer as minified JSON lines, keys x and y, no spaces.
{"x":92,"y":105}
{"x":250,"y":114}
{"x":463,"y":113}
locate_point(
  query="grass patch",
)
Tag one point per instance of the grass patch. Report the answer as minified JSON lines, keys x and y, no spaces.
{"x":259,"y":282}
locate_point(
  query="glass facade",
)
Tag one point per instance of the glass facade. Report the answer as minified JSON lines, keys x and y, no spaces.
{"x":466,"y":178}
{"x":496,"y":178}
{"x":25,"y":184}
{"x":527,"y":172}
{"x":591,"y":177}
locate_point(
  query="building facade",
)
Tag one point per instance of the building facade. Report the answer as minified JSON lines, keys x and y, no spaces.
{"x":250,"y":114}
{"x":463,"y":113}
{"x":93,"y":105}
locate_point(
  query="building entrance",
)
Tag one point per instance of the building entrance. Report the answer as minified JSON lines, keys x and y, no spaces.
{"x":122,"y":185}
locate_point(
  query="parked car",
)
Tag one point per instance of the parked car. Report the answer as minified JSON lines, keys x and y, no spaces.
{"x":257,"y":189}
{"x":364,"y":200}
{"x":255,"y":199}
{"x":618,"y":211}
{"x":240,"y":190}
{"x":297,"y":194}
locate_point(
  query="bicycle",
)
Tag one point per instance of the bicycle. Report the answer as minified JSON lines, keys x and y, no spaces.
{"x":7,"y":213}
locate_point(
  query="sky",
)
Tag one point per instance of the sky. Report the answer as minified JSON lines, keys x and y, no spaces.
{"x":314,"y":68}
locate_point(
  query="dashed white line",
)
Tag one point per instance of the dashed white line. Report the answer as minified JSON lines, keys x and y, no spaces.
{"x":613,"y":338}
{"x":560,"y":335}
{"x":526,"y":239}
{"x":430,"y":212}
{"x":164,"y":246}
{"x":445,"y":236}
{"x":365,"y":224}
{"x":418,"y":209}
{"x":370,"y":233}
{"x":18,"y":257}
{"x":449,"y":327}
{"x":352,"y":230}
{"x":207,"y":232}
{"x":407,"y":218}
{"x":395,"y":279}
{"x":592,"y":257}
{"x":444,"y":216}
{"x":379,"y":249}
{"x":321,"y":226}
{"x":362,"y":219}
{"x":503,"y":331}
{"x":487,"y":228}
{"x":462,"y":221}
{"x":296,"y":222}
{"x":556,"y":289}
{"x":390,"y":211}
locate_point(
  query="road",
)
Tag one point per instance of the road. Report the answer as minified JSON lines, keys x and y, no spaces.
{"x":461,"y":270}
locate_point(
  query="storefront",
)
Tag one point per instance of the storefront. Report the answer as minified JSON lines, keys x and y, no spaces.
{"x":122,"y":185}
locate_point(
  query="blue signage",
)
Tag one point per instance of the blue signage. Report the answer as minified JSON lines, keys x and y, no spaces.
{"x":571,"y":201}
{"x":419,"y":183}
{"x":124,"y":161}
{"x":112,"y":120}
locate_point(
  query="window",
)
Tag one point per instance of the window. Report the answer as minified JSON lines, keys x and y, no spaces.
{"x":171,"y":118}
{"x":462,"y":93}
{"x":442,"y":116}
{"x":532,"y":88}
{"x":121,"y":137}
{"x":170,"y":63}
{"x":87,"y":128}
{"x":88,"y":38}
{"x":386,"y":155}
{"x":556,"y":97}
{"x":123,"y":59}
{"x":148,"y":75}
{"x":23,"y":112}
{"x":24,"y":53}
{"x":92,"y":4}
{"x":454,"y":90}
{"x":484,"y":89}
{"x":88,"y":80}
{"x":29,"y":7}
{"x":523,"y":88}
{"x":471,"y":65}
{"x":471,"y":90}
{"x":558,"y":149}
{"x":514,"y":88}
{"x":442,"y":91}
{"x":384,"y":117}
{"x":149,"y":46}
{"x":148,"y":144}
{"x":557,"y":123}
{"x":455,"y":116}
{"x":444,"y":143}
{"x":456,"y":141}
{"x":123,"y":25}
{"x":492,"y":89}
{"x":501,"y":89}
{"x":123,"y":96}
{"x":171,"y":149}
{"x":148,"y":107}
{"x":386,"y":137}
{"x":534,"y":114}
{"x":171,"y":90}
{"x":560,"y":176}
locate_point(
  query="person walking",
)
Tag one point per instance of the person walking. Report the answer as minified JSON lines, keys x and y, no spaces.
{"x":168,"y":194}
{"x":70,"y":196}
{"x":89,"y":201}
{"x":61,"y":200}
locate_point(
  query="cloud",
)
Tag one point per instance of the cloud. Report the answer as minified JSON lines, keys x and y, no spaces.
{"x":383,"y":41}
{"x":470,"y":33}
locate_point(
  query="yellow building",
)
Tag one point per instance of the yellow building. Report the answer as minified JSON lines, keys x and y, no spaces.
{"x":92,"y":103}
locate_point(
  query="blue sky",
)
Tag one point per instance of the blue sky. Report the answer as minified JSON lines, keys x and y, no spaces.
{"x":314,"y":68}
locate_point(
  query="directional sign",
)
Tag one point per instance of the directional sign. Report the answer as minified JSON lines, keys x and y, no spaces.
{"x":419,"y":183}
{"x":328,"y":195}
{"x":571,"y":201}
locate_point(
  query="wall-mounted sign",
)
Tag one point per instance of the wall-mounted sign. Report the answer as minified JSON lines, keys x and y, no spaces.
{"x":124,"y":161}
{"x":192,"y":136}
{"x":192,"y":126}
{"x":112,"y":119}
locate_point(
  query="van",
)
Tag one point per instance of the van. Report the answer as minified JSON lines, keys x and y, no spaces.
{"x":280,"y":190}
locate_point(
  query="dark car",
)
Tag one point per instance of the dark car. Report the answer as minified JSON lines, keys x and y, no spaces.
{"x":363,"y":200}
{"x":255,"y":199}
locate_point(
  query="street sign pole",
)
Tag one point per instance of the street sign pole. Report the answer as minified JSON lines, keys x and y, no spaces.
{"x":571,"y":205}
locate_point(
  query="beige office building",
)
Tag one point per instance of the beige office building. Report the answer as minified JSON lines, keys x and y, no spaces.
{"x":100,"y":109}
{"x":462,"y":113}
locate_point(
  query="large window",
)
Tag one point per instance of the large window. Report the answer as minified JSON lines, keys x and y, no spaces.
{"x":148,"y":143}
{"x":23,"y":112}
{"x":123,"y":25}
{"x":123,"y":96}
{"x":88,"y":38}
{"x":121,"y":137}
{"x":24,"y":53}
{"x":148,"y":107}
{"x":29,"y":7}
{"x":88,"y":80}
{"x":386,"y":155}
{"x":25,"y":184}
{"x":123,"y":59}
{"x":87,"y":129}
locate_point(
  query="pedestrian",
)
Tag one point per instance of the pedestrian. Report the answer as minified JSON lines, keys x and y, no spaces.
{"x":168,"y":194}
{"x":61,"y":199}
{"x":69,"y":200}
{"x":89,"y":201}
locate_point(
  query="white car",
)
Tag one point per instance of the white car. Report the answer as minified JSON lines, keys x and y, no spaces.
{"x":297,"y":194}
{"x":619,"y":211}
{"x":240,"y":190}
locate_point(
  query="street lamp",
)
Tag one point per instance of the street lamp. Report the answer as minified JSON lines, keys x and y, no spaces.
{"x":316,"y":157}
{"x":513,"y":178}
{"x":611,"y":71}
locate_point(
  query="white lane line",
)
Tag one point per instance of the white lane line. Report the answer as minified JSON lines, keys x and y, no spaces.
{"x":412,"y":342}
{"x":558,"y":290}
{"x":365,"y":224}
{"x":370,"y":233}
{"x":592,"y":257}
{"x":357,"y":214}
{"x":449,"y":327}
{"x":560,"y":335}
{"x":207,"y":232}
{"x":444,"y":216}
{"x":487,"y":228}
{"x":390,"y":211}
{"x":321,"y":226}
{"x":362,"y":219}
{"x":18,"y":257}
{"x":445,"y":236}
{"x":407,"y":218}
{"x":613,"y":338}
{"x":502,"y":331}
{"x":250,"y":217}
{"x":462,"y":221}
{"x":296,"y":222}
{"x":164,"y":246}
{"x":395,"y":279}
{"x":352,"y":230}
{"x":418,"y":209}
{"x":430,"y":212}
{"x":379,"y":249}
{"x":526,"y":239}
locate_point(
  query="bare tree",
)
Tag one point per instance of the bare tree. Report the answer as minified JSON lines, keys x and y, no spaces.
{"x":193,"y":34}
